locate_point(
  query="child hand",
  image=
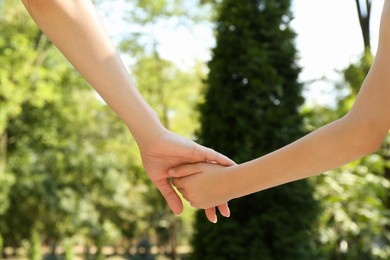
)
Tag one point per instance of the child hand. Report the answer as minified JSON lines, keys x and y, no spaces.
{"x":205,"y":185}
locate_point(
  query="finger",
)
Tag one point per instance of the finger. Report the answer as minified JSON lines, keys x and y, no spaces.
{"x":213,"y":156}
{"x":211,"y":215}
{"x":169,"y":194}
{"x":224,"y":210}
{"x":176,"y":181}
{"x":185,"y":170}
{"x":181,"y":191}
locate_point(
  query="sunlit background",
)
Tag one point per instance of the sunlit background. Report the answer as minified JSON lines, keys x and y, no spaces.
{"x":72,"y":184}
{"x":328,"y":39}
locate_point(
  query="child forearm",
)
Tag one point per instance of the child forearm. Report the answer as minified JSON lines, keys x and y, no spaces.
{"x":328,"y":147}
{"x":75,"y":29}
{"x":306,"y":157}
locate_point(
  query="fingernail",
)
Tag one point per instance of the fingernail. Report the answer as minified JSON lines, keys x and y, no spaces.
{"x":215,"y":221}
{"x":228,"y":214}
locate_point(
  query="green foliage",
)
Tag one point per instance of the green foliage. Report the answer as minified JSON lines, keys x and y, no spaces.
{"x":148,"y":16}
{"x":172,"y":92}
{"x":70,"y":163}
{"x":354,"y":217}
{"x":251,"y":108}
{"x":72,"y":172}
{"x":22,"y":48}
{"x":1,"y":246}
{"x":6,"y":180}
{"x":35,"y":246}
{"x":68,"y":249}
{"x":354,"y":76}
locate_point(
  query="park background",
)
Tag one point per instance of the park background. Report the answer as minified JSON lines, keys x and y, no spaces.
{"x":229,"y":74}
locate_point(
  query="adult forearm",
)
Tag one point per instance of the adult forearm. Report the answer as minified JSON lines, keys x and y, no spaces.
{"x":75,"y":29}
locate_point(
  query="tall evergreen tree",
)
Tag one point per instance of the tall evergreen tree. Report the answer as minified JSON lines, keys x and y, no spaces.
{"x":252,"y":108}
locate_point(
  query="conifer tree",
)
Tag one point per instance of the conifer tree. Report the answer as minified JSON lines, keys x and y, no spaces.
{"x":251,"y":108}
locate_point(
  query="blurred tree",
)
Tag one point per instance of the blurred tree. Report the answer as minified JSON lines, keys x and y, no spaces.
{"x":18,"y":55}
{"x":1,"y":246}
{"x":68,"y":159}
{"x":69,"y":155}
{"x":355,"y":197}
{"x":172,"y":92}
{"x":386,"y":157}
{"x":252,"y":108}
{"x":364,"y":19}
{"x":35,"y":246}
{"x":353,"y":218}
{"x":353,"y":224}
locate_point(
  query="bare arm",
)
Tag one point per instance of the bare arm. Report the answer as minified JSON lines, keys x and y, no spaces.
{"x":76,"y":30}
{"x":358,"y":133}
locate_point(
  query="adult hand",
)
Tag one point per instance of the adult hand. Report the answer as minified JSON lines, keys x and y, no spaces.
{"x":170,"y":150}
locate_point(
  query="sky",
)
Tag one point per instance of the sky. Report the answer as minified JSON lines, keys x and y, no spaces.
{"x":328,"y":39}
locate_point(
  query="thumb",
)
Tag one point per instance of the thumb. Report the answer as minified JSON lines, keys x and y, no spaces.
{"x":210,"y":155}
{"x":170,"y":195}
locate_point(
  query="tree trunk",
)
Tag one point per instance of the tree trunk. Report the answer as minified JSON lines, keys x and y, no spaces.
{"x":173,"y":238}
{"x":1,"y":247}
{"x":364,"y":14}
{"x":35,"y":246}
{"x":3,"y":152}
{"x":68,"y":248}
{"x":99,"y":253}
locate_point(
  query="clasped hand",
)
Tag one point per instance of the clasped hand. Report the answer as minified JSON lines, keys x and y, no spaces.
{"x":170,"y":150}
{"x":203,"y":185}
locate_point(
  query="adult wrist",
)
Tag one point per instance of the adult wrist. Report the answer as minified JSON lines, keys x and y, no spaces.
{"x":146,"y":130}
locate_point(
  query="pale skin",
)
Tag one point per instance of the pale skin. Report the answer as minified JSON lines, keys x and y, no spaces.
{"x":360,"y":132}
{"x":76,"y":30}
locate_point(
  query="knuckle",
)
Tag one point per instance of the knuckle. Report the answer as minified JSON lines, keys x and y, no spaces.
{"x":211,"y":150}
{"x":194,"y":204}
